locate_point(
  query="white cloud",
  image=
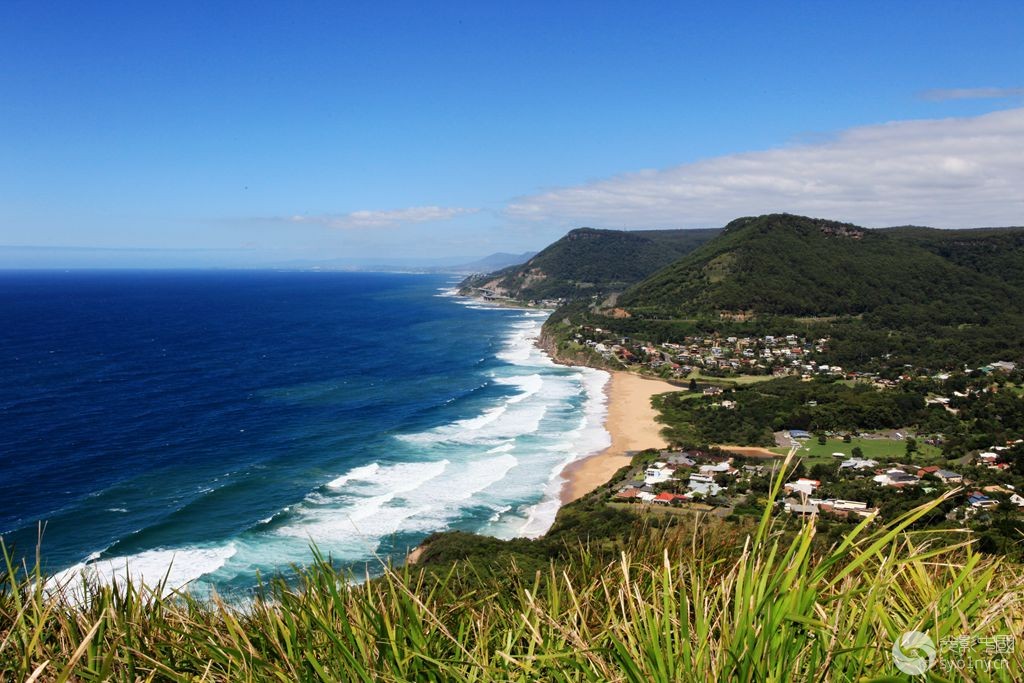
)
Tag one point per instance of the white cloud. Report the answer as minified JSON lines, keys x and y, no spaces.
{"x":384,"y":219}
{"x":943,"y":94}
{"x":957,"y":172}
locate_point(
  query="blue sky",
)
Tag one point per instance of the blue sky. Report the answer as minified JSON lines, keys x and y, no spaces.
{"x":263,"y":132}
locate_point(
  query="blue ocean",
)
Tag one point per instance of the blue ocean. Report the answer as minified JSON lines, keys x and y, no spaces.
{"x":212,"y":425}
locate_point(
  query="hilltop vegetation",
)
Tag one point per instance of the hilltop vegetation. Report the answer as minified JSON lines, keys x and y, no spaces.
{"x":787,"y":265}
{"x":589,"y":262}
{"x":911,"y":295}
{"x":787,"y":403}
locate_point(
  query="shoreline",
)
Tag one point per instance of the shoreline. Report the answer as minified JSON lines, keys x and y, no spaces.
{"x":630,"y":422}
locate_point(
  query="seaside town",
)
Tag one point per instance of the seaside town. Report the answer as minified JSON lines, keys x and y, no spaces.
{"x":712,"y":354}
{"x":721,"y":481}
{"x":845,"y":473}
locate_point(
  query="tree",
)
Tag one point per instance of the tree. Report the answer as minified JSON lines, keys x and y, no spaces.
{"x":911,"y":445}
{"x":693,"y":384}
{"x":857,"y":452}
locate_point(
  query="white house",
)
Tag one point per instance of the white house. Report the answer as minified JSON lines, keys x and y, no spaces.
{"x":802,"y":485}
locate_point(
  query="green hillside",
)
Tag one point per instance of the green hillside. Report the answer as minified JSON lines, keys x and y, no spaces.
{"x":885,"y":297}
{"x":998,"y":252}
{"x":589,"y":262}
{"x":804,"y":267}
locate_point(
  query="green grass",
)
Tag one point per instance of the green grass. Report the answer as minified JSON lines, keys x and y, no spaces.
{"x":811,"y":452}
{"x":708,"y":603}
{"x":737,"y":380}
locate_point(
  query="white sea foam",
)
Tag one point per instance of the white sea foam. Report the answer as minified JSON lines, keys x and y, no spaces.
{"x":405,"y":497}
{"x":180,"y":566}
{"x":363,"y":473}
{"x":486,"y":429}
{"x":528,"y":384}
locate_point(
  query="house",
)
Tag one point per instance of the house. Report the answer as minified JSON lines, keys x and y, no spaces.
{"x":799,"y":434}
{"x":681,"y":460}
{"x":931,"y":469}
{"x":895,"y":477}
{"x":627,"y":494}
{"x":703,"y":484}
{"x":795,"y":507}
{"x":666,"y":498}
{"x":857,"y":464}
{"x":948,"y":476}
{"x":852,"y":505}
{"x":1017,"y":500}
{"x":646,"y":496}
{"x":658,"y":473}
{"x":988,"y":457}
{"x":977,"y":499}
{"x":718,"y":468}
{"x":804,"y":486}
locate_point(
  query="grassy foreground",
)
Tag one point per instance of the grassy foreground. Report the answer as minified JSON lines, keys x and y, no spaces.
{"x":690,"y":604}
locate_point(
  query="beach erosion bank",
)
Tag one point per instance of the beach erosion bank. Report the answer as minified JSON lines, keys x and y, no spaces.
{"x":632,"y":425}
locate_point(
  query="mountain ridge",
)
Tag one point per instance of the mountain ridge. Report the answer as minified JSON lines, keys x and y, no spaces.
{"x":589,"y":262}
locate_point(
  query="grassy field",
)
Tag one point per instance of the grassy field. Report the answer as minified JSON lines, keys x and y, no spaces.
{"x":877,"y":449}
{"x":658,"y":509}
{"x":738,"y":380}
{"x":705,"y":603}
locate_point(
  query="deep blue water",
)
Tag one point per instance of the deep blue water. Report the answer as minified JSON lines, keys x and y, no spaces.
{"x":220,"y":422}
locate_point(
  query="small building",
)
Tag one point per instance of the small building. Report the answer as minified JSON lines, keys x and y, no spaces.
{"x":853,"y":505}
{"x":666,"y":498}
{"x":897,"y":478}
{"x":977,"y":499}
{"x":948,"y":476}
{"x":802,"y":485}
{"x":681,"y":460}
{"x":857,"y":464}
{"x":794,"y":506}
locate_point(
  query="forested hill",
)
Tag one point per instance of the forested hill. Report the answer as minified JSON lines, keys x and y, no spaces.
{"x":994,"y":251}
{"x":785,"y":265}
{"x":588,"y":262}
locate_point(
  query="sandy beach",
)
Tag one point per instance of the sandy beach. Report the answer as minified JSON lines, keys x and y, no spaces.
{"x":632,"y":427}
